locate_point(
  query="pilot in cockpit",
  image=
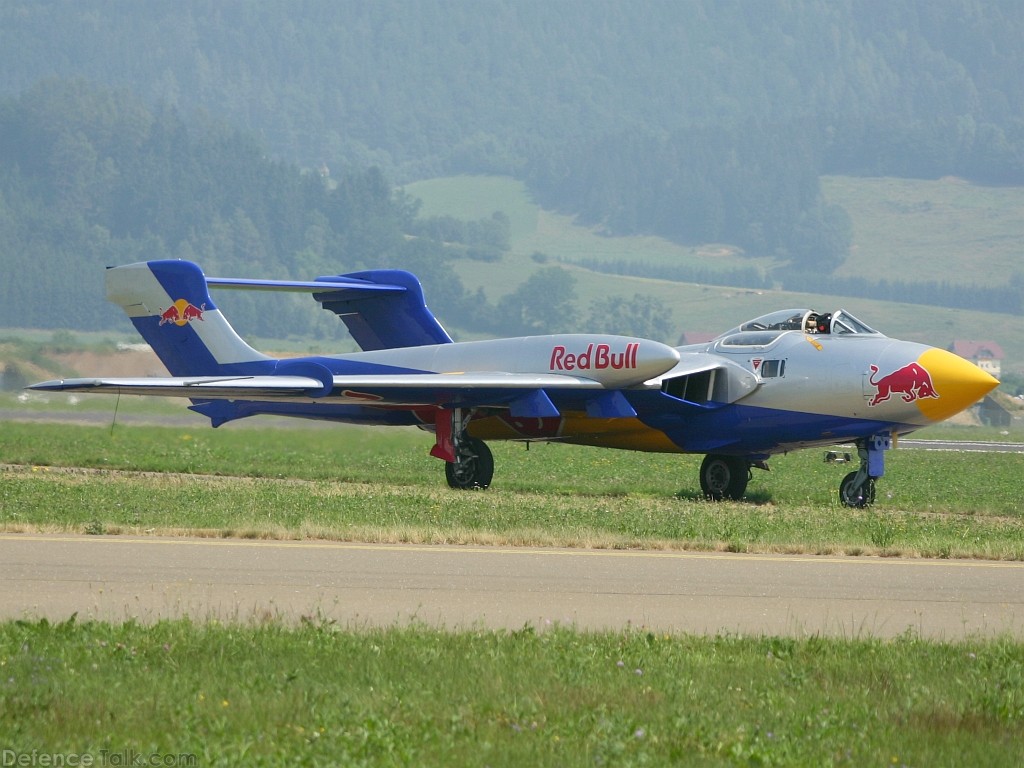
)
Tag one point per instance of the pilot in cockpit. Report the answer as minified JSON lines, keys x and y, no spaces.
{"x":818,"y":323}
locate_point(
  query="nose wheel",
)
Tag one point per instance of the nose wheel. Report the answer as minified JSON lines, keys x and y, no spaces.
{"x":856,"y":491}
{"x":858,"y":488}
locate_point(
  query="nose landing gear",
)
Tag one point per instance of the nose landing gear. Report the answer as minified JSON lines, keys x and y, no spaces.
{"x":858,"y":488}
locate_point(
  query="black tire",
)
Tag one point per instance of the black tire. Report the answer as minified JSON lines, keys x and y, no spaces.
{"x":724,"y":477}
{"x":473,"y":467}
{"x":857,"y":496}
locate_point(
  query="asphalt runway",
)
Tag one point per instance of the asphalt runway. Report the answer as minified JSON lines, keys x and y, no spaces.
{"x":362,"y":585}
{"x":965,"y":446}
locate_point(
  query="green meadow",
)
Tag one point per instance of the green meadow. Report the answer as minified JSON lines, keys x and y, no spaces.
{"x":904,"y":229}
{"x":348,"y":483}
{"x":267,"y":692}
{"x":181,"y":693}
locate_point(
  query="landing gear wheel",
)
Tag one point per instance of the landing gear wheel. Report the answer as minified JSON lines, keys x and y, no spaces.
{"x":858,"y":494}
{"x":724,"y":477}
{"x":473,"y":466}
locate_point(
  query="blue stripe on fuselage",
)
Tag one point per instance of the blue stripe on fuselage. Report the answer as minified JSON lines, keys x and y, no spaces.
{"x":747,"y":430}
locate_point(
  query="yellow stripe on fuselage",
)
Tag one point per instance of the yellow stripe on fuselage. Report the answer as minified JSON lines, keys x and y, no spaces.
{"x":576,"y":427}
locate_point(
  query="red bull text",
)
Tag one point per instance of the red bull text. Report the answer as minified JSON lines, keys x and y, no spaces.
{"x":911,"y":382}
{"x":595,"y":357}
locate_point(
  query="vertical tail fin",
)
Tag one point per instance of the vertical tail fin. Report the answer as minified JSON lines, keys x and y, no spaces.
{"x":385,"y":319}
{"x":170,"y":305}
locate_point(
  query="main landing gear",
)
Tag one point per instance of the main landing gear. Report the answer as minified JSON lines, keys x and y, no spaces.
{"x":473,"y":466}
{"x":724,"y":477}
{"x":858,"y":488}
{"x":469,"y":463}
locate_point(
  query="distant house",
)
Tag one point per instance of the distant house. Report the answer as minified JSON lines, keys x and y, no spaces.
{"x":987,"y":355}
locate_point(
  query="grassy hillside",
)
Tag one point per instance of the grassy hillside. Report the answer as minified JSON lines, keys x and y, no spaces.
{"x":949,"y":229}
{"x":903,"y":229}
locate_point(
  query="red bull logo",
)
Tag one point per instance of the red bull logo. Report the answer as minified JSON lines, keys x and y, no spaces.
{"x":911,"y":382}
{"x":595,"y":357}
{"x":182,"y":312}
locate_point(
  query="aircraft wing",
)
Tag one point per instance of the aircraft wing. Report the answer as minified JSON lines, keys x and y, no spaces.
{"x":388,"y":389}
{"x":204,"y":387}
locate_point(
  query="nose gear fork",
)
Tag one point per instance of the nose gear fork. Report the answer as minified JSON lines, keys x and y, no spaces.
{"x":858,"y":488}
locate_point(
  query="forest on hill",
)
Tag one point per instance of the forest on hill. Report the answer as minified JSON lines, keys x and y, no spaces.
{"x":90,"y":177}
{"x":196,"y":128}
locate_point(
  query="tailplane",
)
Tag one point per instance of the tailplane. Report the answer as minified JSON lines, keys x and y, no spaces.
{"x":394,"y":316}
{"x":170,"y":305}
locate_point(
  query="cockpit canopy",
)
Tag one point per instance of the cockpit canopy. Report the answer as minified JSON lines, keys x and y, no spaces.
{"x":763,"y":330}
{"x":808,"y":321}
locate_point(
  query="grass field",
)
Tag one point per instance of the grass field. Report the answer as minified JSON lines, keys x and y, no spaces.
{"x":269,"y":693}
{"x":361,"y":484}
{"x":215,"y":695}
{"x":946,"y":229}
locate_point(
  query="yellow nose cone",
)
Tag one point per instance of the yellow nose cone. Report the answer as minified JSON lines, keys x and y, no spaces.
{"x":957,"y":384}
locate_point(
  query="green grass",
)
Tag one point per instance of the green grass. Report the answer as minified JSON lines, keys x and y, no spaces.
{"x":30,"y":404}
{"x":317,"y":694}
{"x":269,"y":693}
{"x":914,"y":229}
{"x":534,"y":229}
{"x":379,"y":485}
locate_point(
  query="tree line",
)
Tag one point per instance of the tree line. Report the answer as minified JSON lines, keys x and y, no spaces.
{"x":89,"y":177}
{"x":693,"y":119}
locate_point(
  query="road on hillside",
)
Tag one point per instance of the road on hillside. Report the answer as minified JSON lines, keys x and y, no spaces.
{"x":359,"y":585}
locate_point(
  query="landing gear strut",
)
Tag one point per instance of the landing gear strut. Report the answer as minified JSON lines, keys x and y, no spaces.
{"x":724,"y":477}
{"x":473,"y":466}
{"x":469,"y":463}
{"x":858,"y":488}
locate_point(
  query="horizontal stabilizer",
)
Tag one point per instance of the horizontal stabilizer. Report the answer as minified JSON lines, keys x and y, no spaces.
{"x":354,"y":287}
{"x":382,"y":308}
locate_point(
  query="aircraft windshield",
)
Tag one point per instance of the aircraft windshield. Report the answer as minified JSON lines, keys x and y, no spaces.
{"x":844,"y":322}
{"x":808,"y":321}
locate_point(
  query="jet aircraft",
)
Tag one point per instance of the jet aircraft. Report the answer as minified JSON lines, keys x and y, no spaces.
{"x":791,"y":379}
